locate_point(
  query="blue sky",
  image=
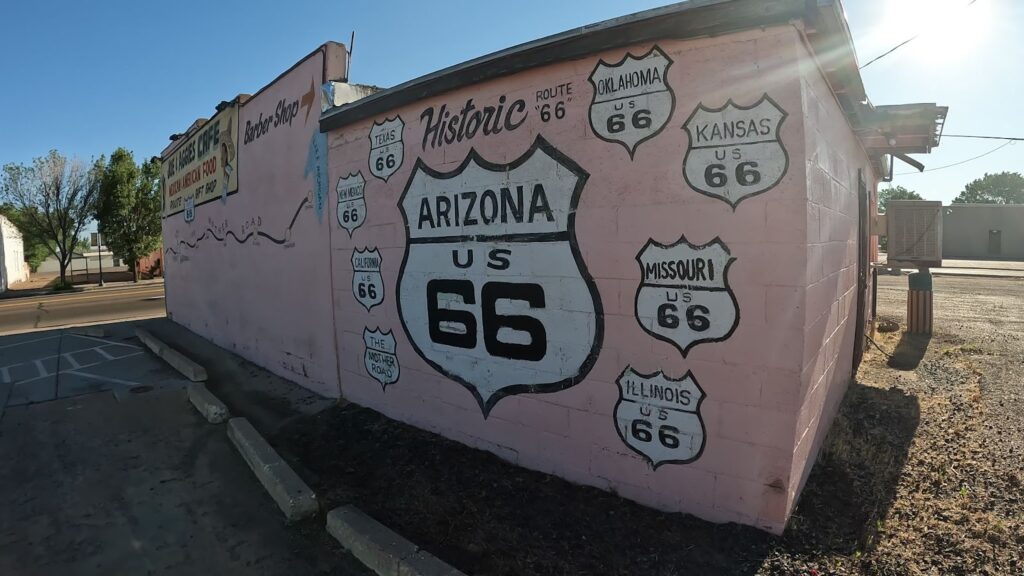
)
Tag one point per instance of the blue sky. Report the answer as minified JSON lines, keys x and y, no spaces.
{"x":86,"y":77}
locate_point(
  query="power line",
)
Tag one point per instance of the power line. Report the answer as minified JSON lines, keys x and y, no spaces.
{"x":996,"y":149}
{"x":984,"y":137}
{"x":902,"y":44}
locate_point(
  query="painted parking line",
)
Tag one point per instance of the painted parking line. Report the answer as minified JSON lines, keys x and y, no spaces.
{"x":28,"y":342}
{"x":26,"y":381}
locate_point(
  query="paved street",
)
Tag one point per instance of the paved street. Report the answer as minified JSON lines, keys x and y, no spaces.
{"x":105,"y":305}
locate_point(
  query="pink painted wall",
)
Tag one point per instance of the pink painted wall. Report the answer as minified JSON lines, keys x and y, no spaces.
{"x":791,"y":281}
{"x":251,"y":273}
{"x":834,"y":158}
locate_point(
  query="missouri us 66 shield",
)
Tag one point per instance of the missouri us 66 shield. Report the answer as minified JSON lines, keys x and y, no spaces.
{"x":387,"y":149}
{"x":659,"y":418}
{"x":632,"y":98}
{"x":367,"y":283}
{"x":684,"y":296}
{"x":351,"y":202}
{"x":735,"y":152}
{"x":492,"y":291}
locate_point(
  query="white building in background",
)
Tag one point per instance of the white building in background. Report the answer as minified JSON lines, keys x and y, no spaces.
{"x":13,"y":267}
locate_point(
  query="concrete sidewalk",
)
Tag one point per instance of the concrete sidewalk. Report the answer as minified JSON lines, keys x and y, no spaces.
{"x":26,"y":293}
{"x":979,"y":268}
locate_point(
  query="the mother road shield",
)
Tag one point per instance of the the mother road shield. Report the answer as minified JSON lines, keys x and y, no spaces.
{"x":492,"y":291}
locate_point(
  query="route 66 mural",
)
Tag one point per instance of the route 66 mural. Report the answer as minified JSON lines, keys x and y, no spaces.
{"x":684,"y":296}
{"x":351,"y":202}
{"x":659,"y":418}
{"x":492,"y":290}
{"x":386,"y":147}
{"x":367,"y":283}
{"x":380,"y":358}
{"x":632,"y":99}
{"x":735,"y":151}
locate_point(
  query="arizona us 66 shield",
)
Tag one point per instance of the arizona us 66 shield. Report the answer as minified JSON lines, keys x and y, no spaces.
{"x":659,"y":418}
{"x":492,"y":291}
{"x":684,"y":296}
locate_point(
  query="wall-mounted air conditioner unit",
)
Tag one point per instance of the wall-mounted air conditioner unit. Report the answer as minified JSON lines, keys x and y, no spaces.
{"x":914,"y":229}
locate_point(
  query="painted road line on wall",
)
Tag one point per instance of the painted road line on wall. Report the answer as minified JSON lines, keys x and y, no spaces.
{"x":291,"y":494}
{"x":380,"y":548}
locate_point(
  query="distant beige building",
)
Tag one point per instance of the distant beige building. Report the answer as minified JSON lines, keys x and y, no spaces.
{"x":13,"y":267}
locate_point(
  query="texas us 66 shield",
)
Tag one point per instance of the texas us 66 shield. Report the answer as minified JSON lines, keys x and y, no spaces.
{"x":659,"y":418}
{"x":684,"y":296}
{"x":492,"y":291}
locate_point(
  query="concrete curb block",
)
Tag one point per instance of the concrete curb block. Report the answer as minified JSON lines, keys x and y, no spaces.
{"x":292,"y":495}
{"x":87,"y":331}
{"x":207,"y":404}
{"x":177,"y":360}
{"x":381,"y":549}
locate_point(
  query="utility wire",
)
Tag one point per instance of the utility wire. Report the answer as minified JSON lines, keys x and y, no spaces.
{"x":992,"y":151}
{"x":984,"y":137}
{"x":902,"y":44}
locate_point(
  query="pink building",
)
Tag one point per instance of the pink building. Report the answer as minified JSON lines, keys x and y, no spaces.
{"x":634,"y":255}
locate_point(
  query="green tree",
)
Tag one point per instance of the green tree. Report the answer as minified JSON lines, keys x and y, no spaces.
{"x":1001,"y":188}
{"x":54,"y":197}
{"x":35,"y":248}
{"x":128,"y":207}
{"x":897,"y":193}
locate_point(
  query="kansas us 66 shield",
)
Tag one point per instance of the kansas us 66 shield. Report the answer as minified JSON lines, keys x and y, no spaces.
{"x":492,"y":291}
{"x":684,"y":296}
{"x":735,"y":152}
{"x":659,"y":418}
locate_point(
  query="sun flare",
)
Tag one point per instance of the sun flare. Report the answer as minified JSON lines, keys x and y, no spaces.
{"x":947,"y":30}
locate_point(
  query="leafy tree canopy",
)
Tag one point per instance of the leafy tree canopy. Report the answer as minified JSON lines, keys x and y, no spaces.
{"x":1001,"y":188}
{"x":895,"y":193}
{"x":128,"y":207}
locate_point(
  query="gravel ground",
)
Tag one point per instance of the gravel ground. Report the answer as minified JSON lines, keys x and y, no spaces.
{"x":921,"y":473}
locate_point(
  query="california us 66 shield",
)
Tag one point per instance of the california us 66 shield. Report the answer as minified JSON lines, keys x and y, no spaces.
{"x":492,"y":291}
{"x":632,"y":98}
{"x":684,"y":296}
{"x":387,"y":149}
{"x":735,"y":151}
{"x":659,"y":418}
{"x":367,"y":283}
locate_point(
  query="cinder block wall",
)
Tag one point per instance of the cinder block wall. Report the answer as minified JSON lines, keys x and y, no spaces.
{"x":251,"y":271}
{"x":770,"y":386}
{"x":834,"y":156}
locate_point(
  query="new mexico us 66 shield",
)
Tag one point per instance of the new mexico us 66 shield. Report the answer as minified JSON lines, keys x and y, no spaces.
{"x":492,"y":291}
{"x":684,"y":296}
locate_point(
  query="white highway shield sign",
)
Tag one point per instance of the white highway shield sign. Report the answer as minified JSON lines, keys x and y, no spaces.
{"x":735,"y":152}
{"x":492,"y":290}
{"x":632,"y":99}
{"x":367,"y":283}
{"x":351,"y":202}
{"x":684,"y":296}
{"x":659,"y":418}
{"x":386,"y":148}
{"x":380,"y":359}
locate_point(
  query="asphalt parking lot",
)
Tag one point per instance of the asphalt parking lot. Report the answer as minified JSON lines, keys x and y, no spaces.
{"x":105,"y":468}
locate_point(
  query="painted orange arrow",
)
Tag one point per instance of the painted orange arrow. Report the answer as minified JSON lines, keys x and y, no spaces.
{"x":307,"y":99}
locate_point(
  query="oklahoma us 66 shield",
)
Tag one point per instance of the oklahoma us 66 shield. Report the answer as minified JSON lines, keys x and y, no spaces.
{"x":380,"y":359}
{"x":492,"y":291}
{"x":632,"y":98}
{"x":735,"y":152}
{"x":684,"y":296}
{"x":659,"y":418}
{"x":367,"y":283}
